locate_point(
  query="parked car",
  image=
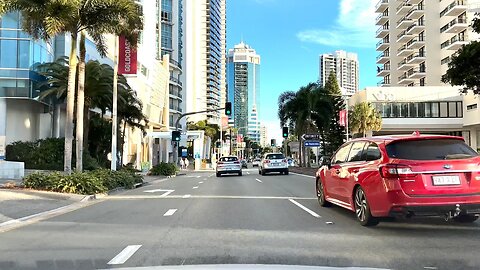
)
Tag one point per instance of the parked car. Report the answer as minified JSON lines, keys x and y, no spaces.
{"x":273,"y":162}
{"x":244,"y":164}
{"x":410,"y":175}
{"x":256,"y":162}
{"x":228,"y":165}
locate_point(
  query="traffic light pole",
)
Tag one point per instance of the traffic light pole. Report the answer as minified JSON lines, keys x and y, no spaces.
{"x":177,"y":123}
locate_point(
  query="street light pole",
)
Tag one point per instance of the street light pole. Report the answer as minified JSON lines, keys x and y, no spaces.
{"x":113,"y":165}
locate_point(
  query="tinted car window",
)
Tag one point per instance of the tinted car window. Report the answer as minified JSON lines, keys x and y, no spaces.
{"x":341,"y":154}
{"x":430,"y":149}
{"x":228,"y":159}
{"x":372,"y":152}
{"x":274,"y":156}
{"x":356,"y":152}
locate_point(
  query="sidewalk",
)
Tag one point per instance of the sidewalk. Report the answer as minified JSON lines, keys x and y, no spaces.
{"x":15,"y":204}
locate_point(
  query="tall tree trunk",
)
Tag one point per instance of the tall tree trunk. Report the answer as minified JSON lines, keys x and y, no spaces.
{"x":86,"y":127}
{"x":72,"y":72}
{"x":80,"y":104}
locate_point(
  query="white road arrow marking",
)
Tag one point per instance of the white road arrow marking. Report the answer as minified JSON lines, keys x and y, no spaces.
{"x":165,"y":194}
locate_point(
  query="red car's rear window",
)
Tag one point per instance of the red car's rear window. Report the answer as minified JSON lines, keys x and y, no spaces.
{"x":430,"y":149}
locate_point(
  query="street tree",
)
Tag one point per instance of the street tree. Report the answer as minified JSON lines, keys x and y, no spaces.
{"x":364,"y":117}
{"x":335,"y":133}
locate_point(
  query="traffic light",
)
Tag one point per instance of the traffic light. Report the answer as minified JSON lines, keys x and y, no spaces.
{"x":228,"y":108}
{"x":175,"y":136}
{"x":273,"y":142}
{"x":285,"y":132}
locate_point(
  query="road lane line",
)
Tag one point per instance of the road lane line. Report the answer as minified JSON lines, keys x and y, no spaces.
{"x":258,"y":180}
{"x":248,"y":172}
{"x":195,"y":187}
{"x":304,"y":175}
{"x":141,"y":197}
{"x":170,"y":212}
{"x":304,"y":208}
{"x":198,"y":176}
{"x":124,"y":255}
{"x":186,"y":196}
{"x":201,"y":182}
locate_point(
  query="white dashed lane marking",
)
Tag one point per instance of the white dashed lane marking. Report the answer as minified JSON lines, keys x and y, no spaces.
{"x":305,"y":208}
{"x":170,"y":212}
{"x":124,"y":255}
{"x":258,"y":180}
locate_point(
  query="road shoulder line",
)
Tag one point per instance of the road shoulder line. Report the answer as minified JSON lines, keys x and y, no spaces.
{"x":304,"y":175}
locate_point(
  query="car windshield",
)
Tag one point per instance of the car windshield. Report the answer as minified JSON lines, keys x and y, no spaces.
{"x":229,"y":159}
{"x":430,"y":149}
{"x":274,"y":156}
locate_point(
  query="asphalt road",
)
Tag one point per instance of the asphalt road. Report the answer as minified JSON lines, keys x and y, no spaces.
{"x":253,"y":219}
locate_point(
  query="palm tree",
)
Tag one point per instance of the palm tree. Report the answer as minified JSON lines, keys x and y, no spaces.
{"x":363,"y":117}
{"x":48,"y":18}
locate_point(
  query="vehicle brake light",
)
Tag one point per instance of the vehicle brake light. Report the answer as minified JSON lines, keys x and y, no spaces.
{"x":396,"y":171}
{"x":284,"y":160}
{"x":266,"y":161}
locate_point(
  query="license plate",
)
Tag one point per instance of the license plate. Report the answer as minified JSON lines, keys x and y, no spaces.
{"x":446,"y":180}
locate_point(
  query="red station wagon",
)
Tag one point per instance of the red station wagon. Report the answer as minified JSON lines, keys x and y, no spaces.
{"x":407,"y":175}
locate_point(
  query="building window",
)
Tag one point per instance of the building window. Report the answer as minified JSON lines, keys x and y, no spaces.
{"x":445,"y":60}
{"x":451,"y":109}
{"x":422,"y":82}
{"x":471,"y":107}
{"x":443,"y":109}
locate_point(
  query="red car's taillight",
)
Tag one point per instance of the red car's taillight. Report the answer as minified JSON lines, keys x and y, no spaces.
{"x":396,"y":171}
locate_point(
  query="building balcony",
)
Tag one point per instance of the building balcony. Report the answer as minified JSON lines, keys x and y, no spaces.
{"x":383,"y":83}
{"x":456,"y":8}
{"x":175,"y":81}
{"x":417,"y":73}
{"x":382,"y":32}
{"x":455,"y":43}
{"x":383,"y":71}
{"x":404,"y":23}
{"x":175,"y":95}
{"x":404,"y":65}
{"x":404,"y":79}
{"x":457,"y":25}
{"x":416,"y":58}
{"x":175,"y":64}
{"x":383,"y":44}
{"x":415,"y":28}
{"x":381,"y":6}
{"x":403,"y":8}
{"x":414,"y":2}
{"x":403,"y":37}
{"x":383,"y":58}
{"x":415,"y":13}
{"x":416,"y":43}
{"x":404,"y":51}
{"x":382,"y":18}
{"x":175,"y":109}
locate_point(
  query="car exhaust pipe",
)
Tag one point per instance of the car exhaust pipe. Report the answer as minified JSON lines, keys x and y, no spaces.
{"x":452,"y":214}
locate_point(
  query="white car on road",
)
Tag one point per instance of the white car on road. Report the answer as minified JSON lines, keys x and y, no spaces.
{"x":229,"y":165}
{"x":273,"y":162}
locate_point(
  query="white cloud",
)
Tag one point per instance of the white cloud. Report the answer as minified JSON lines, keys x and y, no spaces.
{"x":355,"y":26}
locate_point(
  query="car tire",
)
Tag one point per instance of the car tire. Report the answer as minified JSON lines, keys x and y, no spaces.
{"x":321,"y":195}
{"x":240,"y":174}
{"x":262,"y":172}
{"x":362,"y":209}
{"x":218,"y":174}
{"x":286,"y":172}
{"x":465,"y":218}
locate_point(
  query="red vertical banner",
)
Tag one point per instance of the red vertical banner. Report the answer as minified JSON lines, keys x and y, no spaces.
{"x":127,"y":57}
{"x":343,"y":118}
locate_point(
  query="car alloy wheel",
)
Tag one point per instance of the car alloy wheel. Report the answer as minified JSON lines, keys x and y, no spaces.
{"x":362,"y":209}
{"x":321,"y":194}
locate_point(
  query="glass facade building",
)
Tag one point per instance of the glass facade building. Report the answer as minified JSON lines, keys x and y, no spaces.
{"x":19,"y":55}
{"x":243,"y":80}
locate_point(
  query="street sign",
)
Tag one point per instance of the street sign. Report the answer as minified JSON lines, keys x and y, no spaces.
{"x":311,"y":143}
{"x":311,"y":137}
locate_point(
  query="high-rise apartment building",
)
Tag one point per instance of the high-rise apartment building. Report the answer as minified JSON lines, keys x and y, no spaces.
{"x":417,"y":39}
{"x":243,"y":77}
{"x":170,"y":41}
{"x":263,"y":136}
{"x":345,"y":66}
{"x":205,"y":67}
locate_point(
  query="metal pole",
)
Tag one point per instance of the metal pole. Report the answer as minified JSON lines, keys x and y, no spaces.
{"x":346,"y":116}
{"x":113,"y":165}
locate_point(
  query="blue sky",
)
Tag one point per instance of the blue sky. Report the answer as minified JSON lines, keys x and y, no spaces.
{"x":290,"y":35}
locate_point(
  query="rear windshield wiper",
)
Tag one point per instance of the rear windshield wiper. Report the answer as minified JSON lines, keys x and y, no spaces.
{"x":457,"y":156}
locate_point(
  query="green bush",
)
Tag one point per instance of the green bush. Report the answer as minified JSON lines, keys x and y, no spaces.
{"x":166,"y":169}
{"x":93,"y":182}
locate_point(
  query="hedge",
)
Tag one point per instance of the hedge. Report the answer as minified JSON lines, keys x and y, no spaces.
{"x":98,"y":181}
{"x":166,"y":169}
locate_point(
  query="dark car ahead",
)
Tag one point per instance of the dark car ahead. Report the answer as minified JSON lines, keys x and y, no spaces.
{"x":410,"y":175}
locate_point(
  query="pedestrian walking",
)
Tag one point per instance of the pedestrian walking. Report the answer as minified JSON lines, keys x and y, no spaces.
{"x":182,"y":164}
{"x":186,"y":163}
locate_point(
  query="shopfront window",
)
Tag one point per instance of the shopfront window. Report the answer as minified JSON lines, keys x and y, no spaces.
{"x":450,"y":109}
